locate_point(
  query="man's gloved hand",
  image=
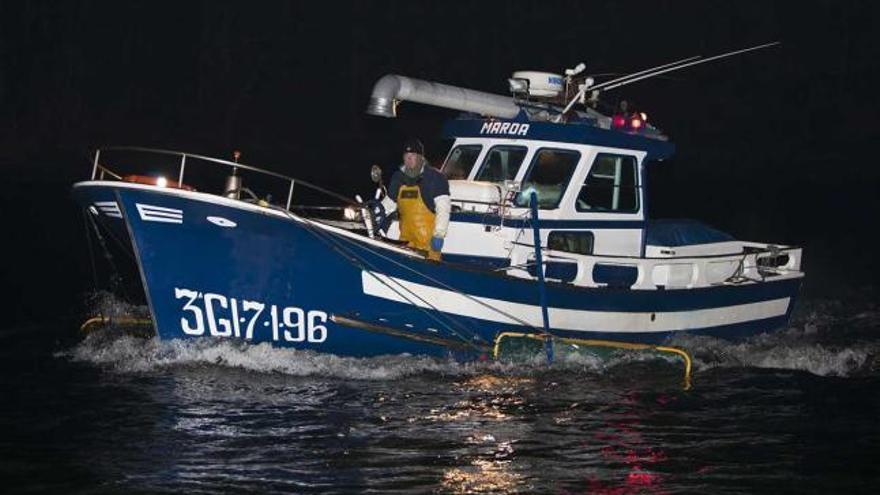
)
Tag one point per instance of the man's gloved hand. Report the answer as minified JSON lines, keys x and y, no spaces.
{"x":377,"y":210}
{"x":437,"y":243}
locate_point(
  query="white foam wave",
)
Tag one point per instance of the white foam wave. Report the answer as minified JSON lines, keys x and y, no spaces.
{"x":814,"y":358}
{"x":103,"y":303}
{"x":811,"y":344}
{"x":820,"y":343}
{"x":116,"y":351}
{"x":133,"y":354}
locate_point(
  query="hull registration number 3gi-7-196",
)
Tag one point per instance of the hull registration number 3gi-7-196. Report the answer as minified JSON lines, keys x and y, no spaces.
{"x":216,"y":315}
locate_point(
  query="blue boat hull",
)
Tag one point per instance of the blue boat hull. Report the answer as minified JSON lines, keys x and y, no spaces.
{"x":217,"y":268}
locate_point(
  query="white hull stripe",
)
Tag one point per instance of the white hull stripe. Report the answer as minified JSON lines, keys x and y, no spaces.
{"x":109,"y":208}
{"x":450,"y":301}
{"x":150,"y":213}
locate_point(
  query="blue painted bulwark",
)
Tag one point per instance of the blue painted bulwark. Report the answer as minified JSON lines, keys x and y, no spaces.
{"x":621,"y":277}
{"x":556,"y":270}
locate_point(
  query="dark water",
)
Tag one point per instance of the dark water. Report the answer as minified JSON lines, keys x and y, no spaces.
{"x":792,"y":412}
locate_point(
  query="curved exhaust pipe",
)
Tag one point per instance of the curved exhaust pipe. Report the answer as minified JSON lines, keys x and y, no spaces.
{"x":392,"y":89}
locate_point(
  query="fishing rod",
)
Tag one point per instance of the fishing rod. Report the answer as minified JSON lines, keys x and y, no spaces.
{"x":655,"y":71}
{"x":588,"y":86}
{"x":672,"y":65}
{"x":610,"y":84}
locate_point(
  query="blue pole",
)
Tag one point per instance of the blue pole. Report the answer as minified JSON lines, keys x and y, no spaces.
{"x":643,"y":188}
{"x":539,"y":268}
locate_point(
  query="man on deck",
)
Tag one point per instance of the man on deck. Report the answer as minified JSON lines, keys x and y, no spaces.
{"x":420,"y":194}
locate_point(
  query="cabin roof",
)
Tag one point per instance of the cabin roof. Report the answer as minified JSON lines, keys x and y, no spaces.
{"x":578,"y":133}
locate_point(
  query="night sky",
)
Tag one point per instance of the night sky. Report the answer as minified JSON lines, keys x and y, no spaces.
{"x":775,"y":146}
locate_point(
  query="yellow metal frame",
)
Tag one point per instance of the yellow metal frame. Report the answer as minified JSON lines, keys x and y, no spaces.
{"x":604,"y":343}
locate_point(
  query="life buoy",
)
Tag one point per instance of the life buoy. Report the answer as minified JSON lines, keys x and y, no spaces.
{"x":154,"y":181}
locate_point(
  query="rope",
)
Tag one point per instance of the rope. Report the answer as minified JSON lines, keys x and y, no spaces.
{"x":739,"y":275}
{"x":109,"y":231}
{"x":91,"y":248}
{"x":358,"y":261}
{"x":449,"y":320}
{"x":362,"y":264}
{"x":447,"y":286}
{"x":115,"y":278}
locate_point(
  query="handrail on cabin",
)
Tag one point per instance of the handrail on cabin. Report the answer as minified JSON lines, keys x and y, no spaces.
{"x":743,"y":267}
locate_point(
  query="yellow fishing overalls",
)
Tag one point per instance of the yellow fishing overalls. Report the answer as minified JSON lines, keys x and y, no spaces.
{"x":416,"y":220}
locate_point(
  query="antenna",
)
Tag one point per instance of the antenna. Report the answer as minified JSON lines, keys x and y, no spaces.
{"x":655,"y":71}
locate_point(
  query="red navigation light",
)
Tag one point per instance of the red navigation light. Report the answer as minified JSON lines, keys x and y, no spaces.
{"x":618,"y":121}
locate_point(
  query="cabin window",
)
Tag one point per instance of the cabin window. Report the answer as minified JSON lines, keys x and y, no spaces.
{"x":501,"y":163}
{"x":460,"y":161}
{"x":612,"y":185}
{"x":571,"y":241}
{"x":548,"y":176}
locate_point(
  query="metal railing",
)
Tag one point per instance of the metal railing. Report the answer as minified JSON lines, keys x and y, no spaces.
{"x":685,"y":272}
{"x":100,"y":171}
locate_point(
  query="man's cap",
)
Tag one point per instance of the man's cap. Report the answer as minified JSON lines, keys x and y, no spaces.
{"x":414,"y":146}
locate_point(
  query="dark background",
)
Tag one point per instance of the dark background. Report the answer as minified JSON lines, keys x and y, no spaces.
{"x":774,"y":146}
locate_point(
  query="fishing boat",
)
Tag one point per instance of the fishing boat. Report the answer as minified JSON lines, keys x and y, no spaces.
{"x":549,"y":239}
